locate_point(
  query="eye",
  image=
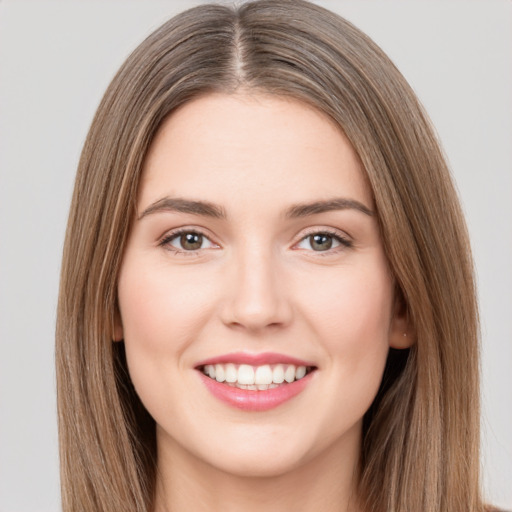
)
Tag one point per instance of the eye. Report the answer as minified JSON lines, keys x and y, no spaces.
{"x":186,"y":241}
{"x":323,"y":241}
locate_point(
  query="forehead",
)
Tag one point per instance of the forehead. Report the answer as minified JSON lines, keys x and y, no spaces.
{"x":237,"y":147}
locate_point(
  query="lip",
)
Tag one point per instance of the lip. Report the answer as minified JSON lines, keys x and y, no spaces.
{"x":251,"y":400}
{"x":255,"y":359}
{"x":255,"y":400}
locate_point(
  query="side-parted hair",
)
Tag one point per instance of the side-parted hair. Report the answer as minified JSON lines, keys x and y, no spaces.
{"x":420,"y":450}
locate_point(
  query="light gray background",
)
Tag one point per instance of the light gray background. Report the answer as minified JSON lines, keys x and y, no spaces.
{"x":56,"y":59}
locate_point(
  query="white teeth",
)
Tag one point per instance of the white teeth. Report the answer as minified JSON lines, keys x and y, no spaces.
{"x":219,"y":373}
{"x":262,"y":377}
{"x":278,"y":374}
{"x":301,"y":371}
{"x":245,"y":374}
{"x":231,"y":373}
{"x":289,"y":374}
{"x":260,"y":387}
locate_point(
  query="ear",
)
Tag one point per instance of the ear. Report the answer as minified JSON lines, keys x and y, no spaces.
{"x":117,"y":331}
{"x":401,"y":332}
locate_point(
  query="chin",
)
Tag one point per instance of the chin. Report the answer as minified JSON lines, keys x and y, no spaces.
{"x":256,"y":463}
{"x":257,"y":451}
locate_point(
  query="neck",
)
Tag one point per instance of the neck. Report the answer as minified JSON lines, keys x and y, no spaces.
{"x":327,"y":482}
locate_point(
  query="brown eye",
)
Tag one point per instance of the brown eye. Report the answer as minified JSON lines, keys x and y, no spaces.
{"x":186,"y":241}
{"x":324,"y":241}
{"x":191,"y":241}
{"x":320,"y":242}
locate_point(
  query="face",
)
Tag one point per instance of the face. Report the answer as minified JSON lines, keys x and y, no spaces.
{"x":255,"y":258}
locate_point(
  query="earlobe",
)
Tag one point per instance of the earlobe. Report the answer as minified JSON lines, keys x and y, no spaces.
{"x":401,"y":334}
{"x":117,"y":331}
{"x":401,"y":340}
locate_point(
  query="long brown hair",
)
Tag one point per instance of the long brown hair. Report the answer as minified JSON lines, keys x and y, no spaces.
{"x":421,"y":435}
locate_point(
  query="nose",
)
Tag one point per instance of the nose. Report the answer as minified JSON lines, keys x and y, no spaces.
{"x":257,"y":295}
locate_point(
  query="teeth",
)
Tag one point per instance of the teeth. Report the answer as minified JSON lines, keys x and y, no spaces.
{"x":231,"y":373}
{"x":260,"y":387}
{"x":300,"y":372}
{"x":278,"y":374}
{"x":245,"y":374}
{"x":289,"y":374}
{"x":262,"y":377}
{"x":220,"y":374}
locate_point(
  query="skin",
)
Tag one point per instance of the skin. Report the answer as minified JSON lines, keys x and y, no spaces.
{"x":258,"y":283}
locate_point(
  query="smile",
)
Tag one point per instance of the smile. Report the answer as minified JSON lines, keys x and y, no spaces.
{"x":254,"y":378}
{"x":255,"y":382}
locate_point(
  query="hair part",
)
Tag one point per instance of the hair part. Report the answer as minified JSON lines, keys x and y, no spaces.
{"x":421,"y":435}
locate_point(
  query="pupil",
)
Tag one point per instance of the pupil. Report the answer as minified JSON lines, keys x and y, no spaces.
{"x":191,"y":241}
{"x":321,"y":242}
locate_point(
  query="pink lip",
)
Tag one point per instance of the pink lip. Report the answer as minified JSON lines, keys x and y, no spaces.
{"x":255,"y":359}
{"x":251,"y":400}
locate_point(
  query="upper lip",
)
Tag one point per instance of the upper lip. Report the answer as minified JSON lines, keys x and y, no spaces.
{"x":255,"y":359}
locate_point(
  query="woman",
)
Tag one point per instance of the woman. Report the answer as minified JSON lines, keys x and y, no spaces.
{"x":266,"y":278}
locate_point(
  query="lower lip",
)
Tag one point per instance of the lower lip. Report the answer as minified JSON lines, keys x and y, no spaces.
{"x":255,"y":400}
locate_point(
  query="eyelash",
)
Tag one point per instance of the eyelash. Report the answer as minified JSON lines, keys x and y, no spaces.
{"x":165,"y":242}
{"x":345,"y":243}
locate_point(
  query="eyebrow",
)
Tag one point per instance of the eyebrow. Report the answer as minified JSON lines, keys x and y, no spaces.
{"x":208,"y":209}
{"x":337,"y":203}
{"x":177,"y":204}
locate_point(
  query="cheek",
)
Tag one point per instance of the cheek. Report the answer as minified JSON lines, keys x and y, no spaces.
{"x":355,"y":306}
{"x":351,"y":316}
{"x":162,"y":313}
{"x":159,"y":309}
